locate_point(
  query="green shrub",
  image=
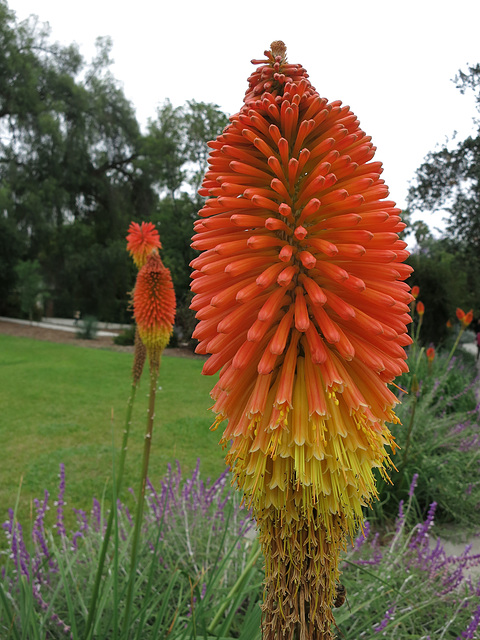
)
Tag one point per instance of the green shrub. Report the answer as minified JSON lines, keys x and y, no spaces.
{"x":438,"y":439}
{"x":87,"y":328}
{"x":126,"y":338}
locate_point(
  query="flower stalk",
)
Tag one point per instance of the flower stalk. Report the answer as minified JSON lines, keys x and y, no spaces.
{"x":147,"y":445}
{"x":465,"y":320}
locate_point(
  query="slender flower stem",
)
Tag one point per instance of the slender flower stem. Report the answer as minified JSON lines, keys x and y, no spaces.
{"x":419,"y":326}
{"x":409,"y":432}
{"x":108,"y":531}
{"x":450,"y":355}
{"x":141,"y":494}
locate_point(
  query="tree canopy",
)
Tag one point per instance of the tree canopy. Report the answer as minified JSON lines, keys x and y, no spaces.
{"x":75,"y":169}
{"x":447,"y":184}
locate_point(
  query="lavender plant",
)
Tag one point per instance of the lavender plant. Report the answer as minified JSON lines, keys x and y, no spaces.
{"x":195,"y":539}
{"x":199,"y":576}
{"x":405,"y":585}
{"x":439,"y":440}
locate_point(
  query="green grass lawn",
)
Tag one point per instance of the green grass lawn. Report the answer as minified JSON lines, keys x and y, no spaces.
{"x":57,"y":405}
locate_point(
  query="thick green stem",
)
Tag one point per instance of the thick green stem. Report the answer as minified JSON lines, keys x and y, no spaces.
{"x":141,"y":494}
{"x":108,"y":531}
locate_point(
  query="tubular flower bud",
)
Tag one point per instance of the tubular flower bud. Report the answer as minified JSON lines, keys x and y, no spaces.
{"x":420,"y":308}
{"x":415,"y":291}
{"x":430,"y":354}
{"x":141,"y":241}
{"x":304,"y":388}
{"x":154,"y":307}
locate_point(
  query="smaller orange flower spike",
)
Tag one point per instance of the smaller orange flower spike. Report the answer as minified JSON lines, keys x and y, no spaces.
{"x":415,"y":291}
{"x":430,"y":354}
{"x":154,"y":306}
{"x":420,"y":308}
{"x":141,"y":241}
{"x":449,"y":324}
{"x":460,"y":313}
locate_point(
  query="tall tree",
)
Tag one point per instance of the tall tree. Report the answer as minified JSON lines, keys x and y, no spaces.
{"x":75,"y":169}
{"x":448,"y":182}
{"x":69,"y":154}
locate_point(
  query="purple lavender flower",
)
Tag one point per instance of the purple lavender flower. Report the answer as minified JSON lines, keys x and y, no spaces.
{"x":413,"y":485}
{"x":389,"y":613}
{"x":60,"y":504}
{"x":469,"y":633}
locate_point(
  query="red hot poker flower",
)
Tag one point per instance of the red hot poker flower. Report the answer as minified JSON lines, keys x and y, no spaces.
{"x":460,"y":313}
{"x":154,"y":306}
{"x":141,"y":241}
{"x":430,"y":354}
{"x":415,"y":291}
{"x":420,"y":308}
{"x":300,"y":298}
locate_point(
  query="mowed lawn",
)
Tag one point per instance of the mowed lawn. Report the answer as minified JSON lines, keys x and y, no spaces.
{"x":63,"y":403}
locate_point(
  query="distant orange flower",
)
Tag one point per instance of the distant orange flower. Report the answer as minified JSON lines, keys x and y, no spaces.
{"x":449,"y":324}
{"x":300,"y":299}
{"x":415,"y":291}
{"x":420,"y":308}
{"x":430,"y":354}
{"x":141,"y":241}
{"x":154,"y":306}
{"x":467,"y":319}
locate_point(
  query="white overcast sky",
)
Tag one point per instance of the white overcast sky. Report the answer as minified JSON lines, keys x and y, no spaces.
{"x":392,"y":62}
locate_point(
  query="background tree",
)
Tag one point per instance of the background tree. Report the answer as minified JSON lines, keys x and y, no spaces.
{"x":443,"y":280}
{"x":75,"y":170}
{"x":447,"y":184}
{"x":30,"y":286}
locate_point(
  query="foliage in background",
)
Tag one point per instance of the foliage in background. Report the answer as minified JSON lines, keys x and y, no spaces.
{"x":447,"y":185}
{"x":87,"y":328}
{"x":447,"y":280}
{"x":75,"y":169}
{"x":30,"y":287}
{"x":126,"y":337}
{"x":448,"y":182}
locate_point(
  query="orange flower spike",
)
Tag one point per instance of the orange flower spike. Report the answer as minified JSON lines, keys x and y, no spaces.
{"x":460,"y":313}
{"x":154,"y":307}
{"x":415,"y":291}
{"x":430,"y":354}
{"x":141,"y":241}
{"x":302,"y":267}
{"x":420,"y":308}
